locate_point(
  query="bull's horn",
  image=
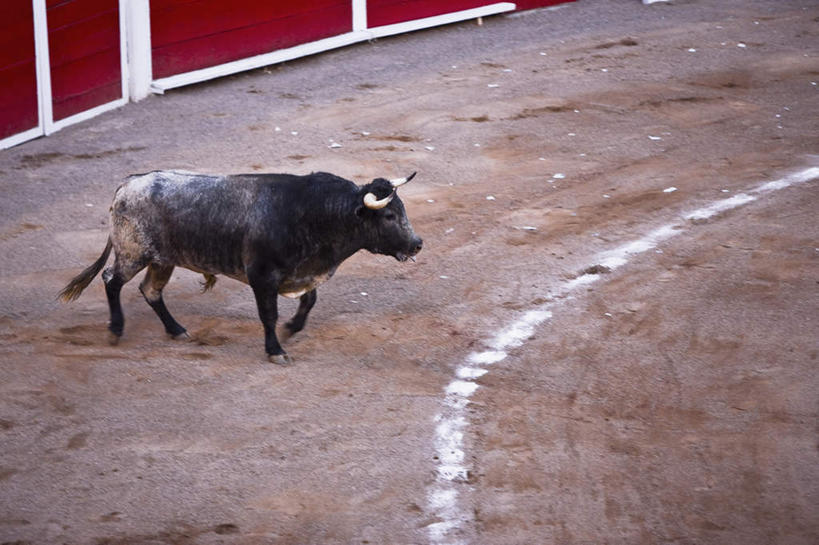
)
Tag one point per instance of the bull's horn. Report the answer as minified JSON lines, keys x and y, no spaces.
{"x":372,"y":202}
{"x":401,"y":181}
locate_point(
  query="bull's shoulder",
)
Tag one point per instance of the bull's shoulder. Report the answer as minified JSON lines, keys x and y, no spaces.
{"x":325,"y":179}
{"x":318,"y":183}
{"x":287,"y":179}
{"x":295,"y":189}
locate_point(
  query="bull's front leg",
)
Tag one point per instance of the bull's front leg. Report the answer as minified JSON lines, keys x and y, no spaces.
{"x":265,"y":285}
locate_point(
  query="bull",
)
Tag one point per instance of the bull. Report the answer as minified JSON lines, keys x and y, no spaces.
{"x":281,"y":234}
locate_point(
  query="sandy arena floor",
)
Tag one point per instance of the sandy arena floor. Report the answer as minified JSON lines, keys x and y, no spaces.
{"x":512,"y":386}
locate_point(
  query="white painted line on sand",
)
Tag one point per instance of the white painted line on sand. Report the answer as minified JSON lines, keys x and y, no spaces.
{"x":487,"y":357}
{"x":515,"y":334}
{"x":444,"y":502}
{"x":720,"y":206}
{"x":470,"y":373}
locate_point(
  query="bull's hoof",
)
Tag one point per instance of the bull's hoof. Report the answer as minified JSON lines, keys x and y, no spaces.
{"x":280,"y":359}
{"x":181,"y":336}
{"x":113,"y":338}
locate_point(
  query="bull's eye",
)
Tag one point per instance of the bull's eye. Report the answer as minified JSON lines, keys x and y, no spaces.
{"x":389,"y":215}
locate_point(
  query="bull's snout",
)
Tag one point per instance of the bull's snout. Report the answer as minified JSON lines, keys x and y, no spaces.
{"x":417,"y":244}
{"x":412,"y":249}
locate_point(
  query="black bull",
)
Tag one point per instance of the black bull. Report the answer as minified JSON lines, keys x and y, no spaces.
{"x":282,"y":234}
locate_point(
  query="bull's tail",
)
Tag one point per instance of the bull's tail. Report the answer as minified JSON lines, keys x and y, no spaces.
{"x":81,"y":281}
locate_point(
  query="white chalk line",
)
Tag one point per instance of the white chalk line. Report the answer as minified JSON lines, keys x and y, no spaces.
{"x":452,"y":469}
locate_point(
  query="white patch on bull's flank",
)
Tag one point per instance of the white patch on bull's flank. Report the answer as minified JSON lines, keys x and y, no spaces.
{"x":135,"y":187}
{"x":142,"y":182}
{"x":138,"y":188}
{"x":453,"y":473}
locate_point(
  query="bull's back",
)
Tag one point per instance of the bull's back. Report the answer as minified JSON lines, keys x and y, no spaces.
{"x":186,"y":219}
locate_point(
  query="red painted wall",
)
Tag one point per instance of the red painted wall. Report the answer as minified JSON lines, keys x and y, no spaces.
{"x":84,"y":47}
{"x":192,"y":34}
{"x":531,"y":4}
{"x":18,"y":72}
{"x":387,"y":12}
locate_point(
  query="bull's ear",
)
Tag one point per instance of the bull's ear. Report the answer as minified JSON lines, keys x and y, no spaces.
{"x":360,"y":210}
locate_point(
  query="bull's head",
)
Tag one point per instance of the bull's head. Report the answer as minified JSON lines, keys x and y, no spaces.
{"x":388,"y":228}
{"x":374,"y":203}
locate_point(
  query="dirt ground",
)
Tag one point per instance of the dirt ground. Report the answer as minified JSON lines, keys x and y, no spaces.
{"x":672,"y":401}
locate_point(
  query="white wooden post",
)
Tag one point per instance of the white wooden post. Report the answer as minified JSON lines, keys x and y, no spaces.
{"x":43,"y":64}
{"x":138,"y":35}
{"x":359,"y":15}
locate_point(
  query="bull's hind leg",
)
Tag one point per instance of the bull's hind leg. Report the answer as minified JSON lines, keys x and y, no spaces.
{"x":296,"y":324}
{"x":151,"y":287}
{"x":115,"y":277}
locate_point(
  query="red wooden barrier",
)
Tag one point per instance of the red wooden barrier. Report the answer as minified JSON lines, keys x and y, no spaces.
{"x":84,"y":48}
{"x":188,"y":35}
{"x":18,"y":72}
{"x":532,"y":4}
{"x":81,"y":63}
{"x":388,"y":12}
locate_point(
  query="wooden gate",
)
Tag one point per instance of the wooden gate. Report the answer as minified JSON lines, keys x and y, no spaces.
{"x":63,"y":61}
